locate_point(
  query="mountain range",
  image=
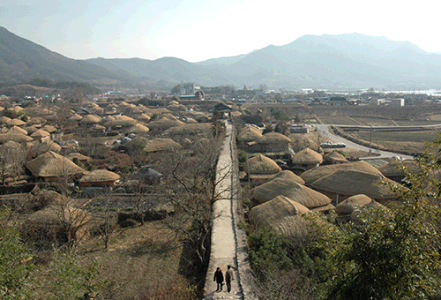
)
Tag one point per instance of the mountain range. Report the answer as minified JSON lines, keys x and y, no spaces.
{"x":327,"y":61}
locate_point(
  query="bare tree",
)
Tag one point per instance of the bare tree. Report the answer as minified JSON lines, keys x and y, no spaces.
{"x":191,"y":175}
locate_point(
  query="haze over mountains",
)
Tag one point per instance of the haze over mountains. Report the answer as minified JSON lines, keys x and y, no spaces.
{"x":327,"y":61}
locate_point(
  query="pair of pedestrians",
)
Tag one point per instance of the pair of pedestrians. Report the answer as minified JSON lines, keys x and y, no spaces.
{"x":219,"y":278}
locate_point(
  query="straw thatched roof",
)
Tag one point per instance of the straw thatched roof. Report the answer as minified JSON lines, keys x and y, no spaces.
{"x":90,"y":119}
{"x":352,"y":182}
{"x":47,"y":146}
{"x":289,"y":175}
{"x":335,"y":157}
{"x":314,"y":174}
{"x":78,"y":156}
{"x":302,"y":141}
{"x":282,"y":215}
{"x":15,"y":129}
{"x":76,"y":117}
{"x":16,"y":137}
{"x":143,"y":117}
{"x":11,"y":145}
{"x":288,"y":188}
{"x":4,"y":119}
{"x":261,"y":164}
{"x":164,"y":124}
{"x":122,"y":121}
{"x":249,"y":134}
{"x":167,"y":116}
{"x":49,"y":128}
{"x":397,"y":168}
{"x":17,"y":108}
{"x":370,"y":206}
{"x":176,"y":107}
{"x":40,"y":133}
{"x":51,"y":164}
{"x":59,"y":216}
{"x":30,"y":129}
{"x":161,"y":144}
{"x":15,"y":122}
{"x":159,"y":111}
{"x":347,"y":206}
{"x":36,"y":121}
{"x":190,"y":129}
{"x":138,"y":128}
{"x":273,"y":138}
{"x":97,"y":127}
{"x":100,"y":175}
{"x":307,"y":157}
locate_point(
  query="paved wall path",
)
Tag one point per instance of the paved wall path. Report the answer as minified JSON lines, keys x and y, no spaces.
{"x":228,"y":242}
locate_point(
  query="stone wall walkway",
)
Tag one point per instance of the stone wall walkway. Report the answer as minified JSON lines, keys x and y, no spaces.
{"x":228,"y":242}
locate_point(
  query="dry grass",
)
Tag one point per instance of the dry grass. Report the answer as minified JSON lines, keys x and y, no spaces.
{"x":138,"y":259}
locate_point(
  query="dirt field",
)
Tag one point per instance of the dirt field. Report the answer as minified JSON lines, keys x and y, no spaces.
{"x":139,"y":261}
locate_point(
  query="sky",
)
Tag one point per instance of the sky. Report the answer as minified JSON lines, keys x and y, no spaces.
{"x":196,"y":30}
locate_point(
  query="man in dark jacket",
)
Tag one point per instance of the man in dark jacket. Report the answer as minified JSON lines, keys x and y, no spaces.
{"x":219,"y":278}
{"x":228,"y":277}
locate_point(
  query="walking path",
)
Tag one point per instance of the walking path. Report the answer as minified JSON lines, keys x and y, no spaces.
{"x":228,"y":242}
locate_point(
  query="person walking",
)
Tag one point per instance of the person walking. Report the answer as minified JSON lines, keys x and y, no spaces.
{"x":219,"y":278}
{"x":228,"y":278}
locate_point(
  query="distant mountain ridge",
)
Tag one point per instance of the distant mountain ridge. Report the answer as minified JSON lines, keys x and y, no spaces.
{"x":328,"y":61}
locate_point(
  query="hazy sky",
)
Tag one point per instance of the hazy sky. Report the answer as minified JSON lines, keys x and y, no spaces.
{"x":196,"y":30}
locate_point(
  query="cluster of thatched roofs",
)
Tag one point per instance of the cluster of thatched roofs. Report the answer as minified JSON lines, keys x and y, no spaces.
{"x":285,"y":196}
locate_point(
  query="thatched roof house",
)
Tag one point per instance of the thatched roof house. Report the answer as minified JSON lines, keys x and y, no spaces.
{"x":372,"y":206}
{"x":15,"y":122}
{"x":16,"y":129}
{"x":345,"y":183}
{"x":75,"y":117}
{"x":346,"y":207}
{"x":249,"y":134}
{"x":75,"y":156}
{"x":288,"y":188}
{"x":90,"y":120}
{"x":49,"y":128}
{"x":260,"y":168}
{"x":302,"y":141}
{"x":100,"y":177}
{"x":16,"y":137}
{"x":159,"y":111}
{"x":270,"y":142}
{"x":40,"y":134}
{"x":121,"y":121}
{"x":63,"y":222}
{"x":52,"y":166}
{"x":47,"y":146}
{"x":307,"y":158}
{"x":314,"y":174}
{"x":396,"y":169}
{"x":289,"y":175}
{"x":161,"y":145}
{"x":164,"y":124}
{"x":30,"y":129}
{"x":282,"y":215}
{"x":138,"y":129}
{"x":190,"y":129}
{"x":335,"y":158}
{"x":4,"y":119}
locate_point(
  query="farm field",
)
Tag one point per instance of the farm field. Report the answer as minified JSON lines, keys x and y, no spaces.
{"x":413,"y":141}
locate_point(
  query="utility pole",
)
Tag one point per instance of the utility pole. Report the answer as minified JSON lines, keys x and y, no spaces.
{"x":370,"y":142}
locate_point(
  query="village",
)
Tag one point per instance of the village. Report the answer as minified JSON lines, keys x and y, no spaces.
{"x":83,"y":175}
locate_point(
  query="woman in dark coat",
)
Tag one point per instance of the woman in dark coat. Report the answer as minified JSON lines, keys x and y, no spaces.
{"x":219,"y":278}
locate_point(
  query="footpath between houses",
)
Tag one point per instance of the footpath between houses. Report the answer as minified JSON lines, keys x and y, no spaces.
{"x":228,"y":241}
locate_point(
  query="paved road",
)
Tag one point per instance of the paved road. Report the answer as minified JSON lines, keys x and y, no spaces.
{"x":228,"y":242}
{"x":323,"y":130}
